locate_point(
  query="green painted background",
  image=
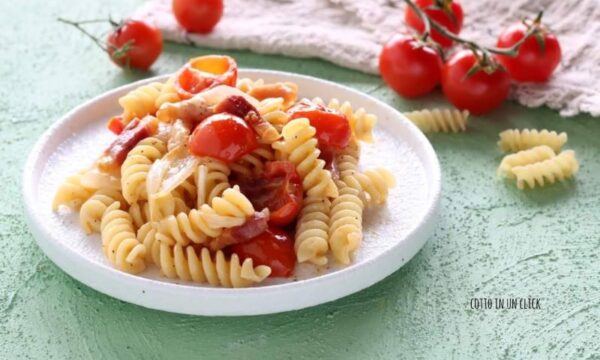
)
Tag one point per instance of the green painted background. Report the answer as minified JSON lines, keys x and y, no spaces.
{"x":491,"y":241}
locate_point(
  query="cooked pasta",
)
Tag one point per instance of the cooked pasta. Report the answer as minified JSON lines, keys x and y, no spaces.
{"x":361,"y":122}
{"x":311,"y":242}
{"x":299,"y":146}
{"x":345,"y":223}
{"x":92,"y":209}
{"x":515,"y":140}
{"x":524,"y":157}
{"x":119,"y":241}
{"x":189,"y":264}
{"x":560,"y":167}
{"x":136,"y":166}
{"x":192,"y":191}
{"x":167,"y":94}
{"x":439,"y":120}
{"x":141,"y":101}
{"x":71,"y":193}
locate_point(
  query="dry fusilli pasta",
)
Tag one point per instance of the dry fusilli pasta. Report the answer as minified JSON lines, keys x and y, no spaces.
{"x":299,"y":146}
{"x":187,"y":263}
{"x":560,"y":167}
{"x":119,"y":240}
{"x":516,"y":140}
{"x":524,"y":157}
{"x":439,"y":120}
{"x":136,"y":166}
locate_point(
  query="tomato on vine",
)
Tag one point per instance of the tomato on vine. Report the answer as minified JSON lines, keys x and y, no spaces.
{"x":472,"y":84}
{"x":198,"y":16}
{"x":409,"y":67}
{"x":447,"y":13}
{"x":135,"y":43}
{"x":537,"y":57}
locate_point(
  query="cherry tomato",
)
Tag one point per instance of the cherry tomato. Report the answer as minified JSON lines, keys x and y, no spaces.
{"x":223,"y":136}
{"x":135,"y":43}
{"x":533,"y":62}
{"x":203,"y":72}
{"x":274,"y":248}
{"x":450,"y":17}
{"x":333,"y":129}
{"x":115,"y":125}
{"x":199,"y":16}
{"x":279,"y":189}
{"x":408,"y":67}
{"x":479,"y":92}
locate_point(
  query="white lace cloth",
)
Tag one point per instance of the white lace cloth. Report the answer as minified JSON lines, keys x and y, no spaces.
{"x":350,"y":33}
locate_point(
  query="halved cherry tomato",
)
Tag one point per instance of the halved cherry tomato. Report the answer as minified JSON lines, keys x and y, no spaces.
{"x":205,"y":71}
{"x":279,"y":190}
{"x":274,"y":248}
{"x":135,"y":43}
{"x":447,"y":13}
{"x":115,"y":125}
{"x":223,"y":136}
{"x":333,"y":129}
{"x":199,"y":16}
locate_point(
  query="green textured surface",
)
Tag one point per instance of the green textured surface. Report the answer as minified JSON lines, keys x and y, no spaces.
{"x":492,"y":240}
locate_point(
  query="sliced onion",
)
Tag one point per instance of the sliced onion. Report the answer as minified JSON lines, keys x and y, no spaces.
{"x":96,"y":179}
{"x":171,"y":170}
{"x":218,"y":93}
{"x":178,"y":135}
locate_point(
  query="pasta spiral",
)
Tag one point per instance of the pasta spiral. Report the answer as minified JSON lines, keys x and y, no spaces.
{"x":140,"y":213}
{"x":299,"y":146}
{"x":311,"y":241}
{"x":71,"y":193}
{"x":212,"y":178}
{"x":185,"y":227}
{"x":361,"y":122}
{"x":163,"y":205}
{"x":246,"y":84}
{"x":146,"y":235}
{"x":524,"y":157}
{"x":92,"y":209}
{"x":187,"y":263}
{"x":345,"y":223}
{"x":141,"y":101}
{"x":228,"y":210}
{"x":516,"y":140}
{"x":119,"y":241}
{"x":560,"y":167}
{"x":253,"y":163}
{"x":167,"y":94}
{"x":136,"y":166}
{"x":439,"y":120}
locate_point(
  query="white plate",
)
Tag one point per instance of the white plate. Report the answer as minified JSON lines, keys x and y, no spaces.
{"x":392,"y":234}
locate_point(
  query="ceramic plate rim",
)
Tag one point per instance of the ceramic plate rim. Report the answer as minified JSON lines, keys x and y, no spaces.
{"x":419,"y":232}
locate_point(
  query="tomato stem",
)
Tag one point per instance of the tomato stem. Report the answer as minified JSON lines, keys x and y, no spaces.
{"x":432,"y":24}
{"x":77,"y":25}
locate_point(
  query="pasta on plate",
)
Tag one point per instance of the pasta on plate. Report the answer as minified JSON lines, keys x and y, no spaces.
{"x":227,"y":181}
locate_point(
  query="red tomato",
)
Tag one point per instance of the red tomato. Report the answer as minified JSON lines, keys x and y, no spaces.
{"x":450,"y":18}
{"x":274,"y":248}
{"x":333,"y":129}
{"x":205,"y":71}
{"x":223,"y":136}
{"x":408,"y":67}
{"x":135,"y":43}
{"x":199,"y":16}
{"x":479,"y":92}
{"x":279,"y":190}
{"x":532,"y":63}
{"x":115,"y":125}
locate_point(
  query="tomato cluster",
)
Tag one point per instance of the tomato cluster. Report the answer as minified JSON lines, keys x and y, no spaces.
{"x":472,"y":80}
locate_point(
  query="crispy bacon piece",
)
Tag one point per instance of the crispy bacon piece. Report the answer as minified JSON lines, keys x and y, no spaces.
{"x":254,"y":226}
{"x":285,"y":90}
{"x":191,"y":111}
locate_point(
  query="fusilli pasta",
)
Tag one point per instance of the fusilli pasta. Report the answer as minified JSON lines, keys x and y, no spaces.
{"x":439,"y":120}
{"x":167,"y":94}
{"x":187,"y":263}
{"x":119,"y":240}
{"x":253,"y":163}
{"x":141,"y":101}
{"x":345,"y":223}
{"x":136,"y":166}
{"x":312,"y":231}
{"x":146,"y":235}
{"x":361,"y":122}
{"x":560,"y":167}
{"x":92,"y":209}
{"x":212,"y":178}
{"x":515,"y":140}
{"x":71,"y":193}
{"x":299,"y":146}
{"x":524,"y":157}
